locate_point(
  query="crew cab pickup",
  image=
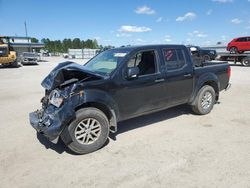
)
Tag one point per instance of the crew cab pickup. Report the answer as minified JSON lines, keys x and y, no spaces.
{"x":83,"y":103}
{"x":202,"y":54}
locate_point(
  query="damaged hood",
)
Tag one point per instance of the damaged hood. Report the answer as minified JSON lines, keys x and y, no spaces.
{"x":67,"y":71}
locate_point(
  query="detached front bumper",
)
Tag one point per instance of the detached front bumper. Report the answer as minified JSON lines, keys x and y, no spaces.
{"x":51,"y":121}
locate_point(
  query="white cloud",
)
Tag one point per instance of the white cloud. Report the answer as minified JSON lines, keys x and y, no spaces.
{"x":159,"y":19}
{"x":224,"y":37}
{"x":201,"y":35}
{"x":139,"y":40}
{"x":123,"y":35}
{"x":134,"y":29}
{"x":236,"y":21}
{"x":223,"y":1}
{"x":97,"y":38}
{"x":198,"y":34}
{"x":208,"y":42}
{"x":188,"y":16}
{"x":144,"y":10}
{"x":209,"y":12}
{"x":248,"y":27}
{"x":168,"y":38}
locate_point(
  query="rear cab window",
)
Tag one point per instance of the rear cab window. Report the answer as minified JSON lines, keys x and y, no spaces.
{"x":174,"y":59}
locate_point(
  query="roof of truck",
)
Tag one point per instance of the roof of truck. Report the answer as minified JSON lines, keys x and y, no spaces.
{"x":150,"y":46}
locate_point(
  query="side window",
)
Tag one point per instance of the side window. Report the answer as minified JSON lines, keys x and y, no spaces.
{"x":242,"y":40}
{"x":145,"y":61}
{"x":174,"y":58}
{"x":134,"y":61}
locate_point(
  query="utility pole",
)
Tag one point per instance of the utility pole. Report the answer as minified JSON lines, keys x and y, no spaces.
{"x":26,"y":32}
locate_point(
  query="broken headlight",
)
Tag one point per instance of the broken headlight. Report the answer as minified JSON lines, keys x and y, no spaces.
{"x":55,"y":98}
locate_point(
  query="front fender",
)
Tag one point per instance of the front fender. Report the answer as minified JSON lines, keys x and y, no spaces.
{"x":101,"y":97}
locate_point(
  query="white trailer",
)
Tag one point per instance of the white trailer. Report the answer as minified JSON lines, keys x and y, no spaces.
{"x":82,"y":53}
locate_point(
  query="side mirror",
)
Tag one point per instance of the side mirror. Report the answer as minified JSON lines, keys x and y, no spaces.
{"x":132,"y":72}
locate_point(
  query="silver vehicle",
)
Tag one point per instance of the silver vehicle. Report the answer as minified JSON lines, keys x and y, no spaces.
{"x":29,"y":58}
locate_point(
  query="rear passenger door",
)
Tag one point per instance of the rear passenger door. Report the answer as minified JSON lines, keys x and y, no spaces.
{"x":179,"y":75}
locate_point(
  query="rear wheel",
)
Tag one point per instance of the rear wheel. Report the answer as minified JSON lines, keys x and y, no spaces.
{"x":204,"y":100}
{"x":233,"y":50}
{"x":88,"y":132}
{"x":246,"y":61}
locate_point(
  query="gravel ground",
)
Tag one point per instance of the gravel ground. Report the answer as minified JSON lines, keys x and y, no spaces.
{"x":172,"y":148}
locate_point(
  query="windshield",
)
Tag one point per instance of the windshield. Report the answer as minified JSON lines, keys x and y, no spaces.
{"x":29,"y":54}
{"x":107,"y":61}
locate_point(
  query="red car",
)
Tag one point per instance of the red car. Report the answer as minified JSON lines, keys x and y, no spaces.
{"x":239,"y":45}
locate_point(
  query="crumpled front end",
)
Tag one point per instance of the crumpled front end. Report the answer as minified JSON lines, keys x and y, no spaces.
{"x":51,"y":121}
{"x":63,"y":93}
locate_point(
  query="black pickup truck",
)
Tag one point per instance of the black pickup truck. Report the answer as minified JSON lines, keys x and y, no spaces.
{"x":83,"y":103}
{"x":202,"y":54}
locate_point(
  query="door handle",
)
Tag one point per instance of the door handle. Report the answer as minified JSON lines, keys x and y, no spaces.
{"x":187,"y":75}
{"x":160,"y":80}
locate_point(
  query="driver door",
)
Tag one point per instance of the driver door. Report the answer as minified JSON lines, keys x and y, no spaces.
{"x":144,"y":93}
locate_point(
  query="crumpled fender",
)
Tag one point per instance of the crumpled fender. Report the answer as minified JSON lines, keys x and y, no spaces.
{"x":98,"y":96}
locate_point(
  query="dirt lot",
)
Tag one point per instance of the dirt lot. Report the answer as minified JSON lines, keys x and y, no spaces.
{"x":173,"y":148}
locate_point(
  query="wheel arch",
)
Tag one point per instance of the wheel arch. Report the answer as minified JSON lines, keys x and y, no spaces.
{"x":208,"y":79}
{"x":108,"y":111}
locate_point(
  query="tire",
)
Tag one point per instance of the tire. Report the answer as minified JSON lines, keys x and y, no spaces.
{"x":86,"y":125}
{"x":206,"y":58}
{"x":233,"y":50}
{"x":246,"y":61}
{"x":204,"y":100}
{"x":14,"y":64}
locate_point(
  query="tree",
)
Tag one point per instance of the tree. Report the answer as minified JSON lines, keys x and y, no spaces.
{"x":76,"y":43}
{"x":65,"y":44}
{"x":95,"y":44}
{"x":34,"y":40}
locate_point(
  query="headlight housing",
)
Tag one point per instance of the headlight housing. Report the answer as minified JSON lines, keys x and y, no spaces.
{"x":55,"y":98}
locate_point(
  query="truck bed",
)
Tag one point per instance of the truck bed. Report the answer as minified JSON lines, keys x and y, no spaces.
{"x":218,"y":67}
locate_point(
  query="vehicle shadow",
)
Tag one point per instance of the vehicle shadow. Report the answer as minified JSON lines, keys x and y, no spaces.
{"x":236,"y":65}
{"x":30,"y":64}
{"x":10,"y":67}
{"x":149,"y":119}
{"x":60,"y":147}
{"x":124,"y":126}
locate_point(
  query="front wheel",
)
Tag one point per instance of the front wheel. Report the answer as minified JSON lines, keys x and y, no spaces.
{"x":204,"y":100}
{"x":88,"y":132}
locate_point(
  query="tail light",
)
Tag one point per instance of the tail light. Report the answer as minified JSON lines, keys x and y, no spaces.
{"x":229,"y":72}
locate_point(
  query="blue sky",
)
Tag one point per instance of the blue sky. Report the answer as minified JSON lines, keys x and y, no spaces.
{"x":201,"y":22}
